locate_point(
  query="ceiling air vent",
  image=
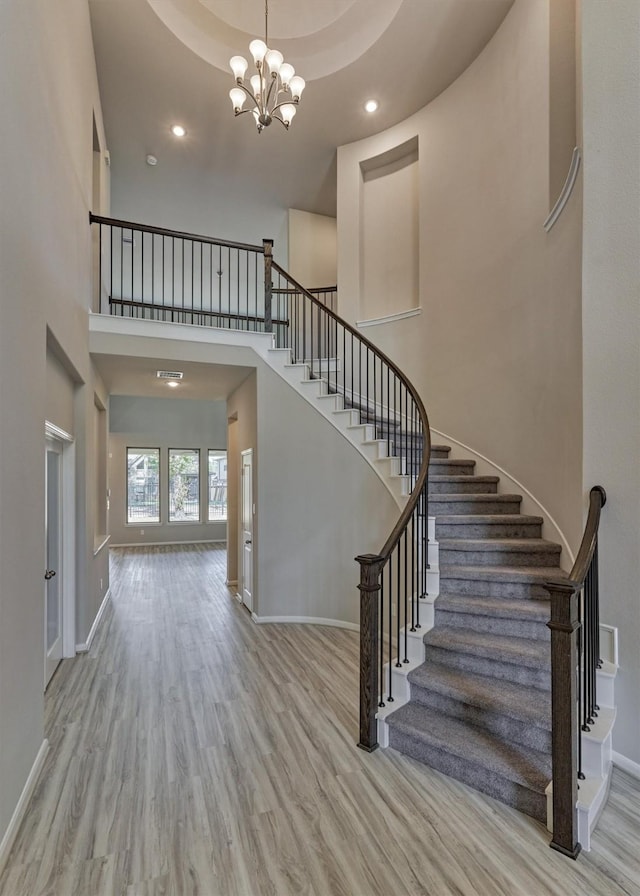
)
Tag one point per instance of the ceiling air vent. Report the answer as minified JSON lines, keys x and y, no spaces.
{"x":169,"y":374}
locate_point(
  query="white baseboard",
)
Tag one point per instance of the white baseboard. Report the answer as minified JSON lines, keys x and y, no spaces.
{"x":306,"y":620}
{"x":627,"y":765}
{"x":156,"y":544}
{"x":86,"y":646}
{"x":18,"y":813}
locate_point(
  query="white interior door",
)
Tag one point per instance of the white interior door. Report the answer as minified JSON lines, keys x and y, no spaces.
{"x":53,"y":560}
{"x":248,"y":509}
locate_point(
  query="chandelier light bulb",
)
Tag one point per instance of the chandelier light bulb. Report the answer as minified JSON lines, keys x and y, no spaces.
{"x":274,"y":60}
{"x":274,"y":91}
{"x":286,"y":74}
{"x":238,"y":97}
{"x":256,"y":85}
{"x":288,"y":111}
{"x":239,"y":66}
{"x":296,"y":86}
{"x":258,"y":50}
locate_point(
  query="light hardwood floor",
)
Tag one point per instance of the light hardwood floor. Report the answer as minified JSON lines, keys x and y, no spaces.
{"x":194,"y":752}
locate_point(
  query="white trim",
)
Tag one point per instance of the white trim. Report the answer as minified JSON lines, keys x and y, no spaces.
{"x":306,"y":620}
{"x":155,"y":544}
{"x":21,"y":805}
{"x":231,"y":583}
{"x":627,"y":765}
{"x":566,"y":190}
{"x":68,"y":507}
{"x":52,"y":431}
{"x":388,"y":318}
{"x":609,"y":643}
{"x":84,"y":648}
{"x":521,"y":488}
{"x":104,"y":542}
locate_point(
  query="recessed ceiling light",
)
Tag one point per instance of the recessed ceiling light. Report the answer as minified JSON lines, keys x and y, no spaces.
{"x":371,"y":105}
{"x":178,"y":131}
{"x":172,"y":384}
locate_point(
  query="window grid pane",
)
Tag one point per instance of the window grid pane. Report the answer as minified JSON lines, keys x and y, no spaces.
{"x":184,"y":485}
{"x":217,"y":484}
{"x":143,"y":493}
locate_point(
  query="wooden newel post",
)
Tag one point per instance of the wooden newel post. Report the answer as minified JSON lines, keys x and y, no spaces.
{"x":564,"y":625}
{"x":268,"y":285}
{"x":370,"y":570}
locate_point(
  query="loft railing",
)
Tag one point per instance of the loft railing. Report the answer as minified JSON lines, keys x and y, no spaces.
{"x":159,"y":274}
{"x":392,"y":581}
{"x":575,"y":660}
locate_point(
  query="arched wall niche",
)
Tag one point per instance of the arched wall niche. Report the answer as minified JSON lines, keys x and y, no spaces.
{"x":389,"y":232}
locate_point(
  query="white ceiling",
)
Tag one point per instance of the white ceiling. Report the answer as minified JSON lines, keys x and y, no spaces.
{"x":165,"y":61}
{"x":124,"y":375}
{"x":401,"y":52}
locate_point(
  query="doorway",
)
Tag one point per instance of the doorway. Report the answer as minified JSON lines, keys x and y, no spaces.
{"x":248,"y":511}
{"x":54,"y":567}
{"x":59,"y":605}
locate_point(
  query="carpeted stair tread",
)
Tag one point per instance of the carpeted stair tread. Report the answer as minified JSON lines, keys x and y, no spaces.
{"x":462,"y":519}
{"x":522,"y":765}
{"x":483,"y":605}
{"x":501,"y":648}
{"x":462,"y":478}
{"x":496,"y":696}
{"x":517,"y":545}
{"x":485,"y":500}
{"x":439,"y":450}
{"x":533,"y":575}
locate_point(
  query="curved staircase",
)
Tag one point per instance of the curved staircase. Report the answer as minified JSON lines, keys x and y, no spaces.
{"x":480,"y":707}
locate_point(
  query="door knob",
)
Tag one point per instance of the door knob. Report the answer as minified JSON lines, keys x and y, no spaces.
{"x":49,"y":574}
{"x":248,"y":541}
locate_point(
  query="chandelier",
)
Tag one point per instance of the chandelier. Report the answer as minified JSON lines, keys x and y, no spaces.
{"x":275,"y":87}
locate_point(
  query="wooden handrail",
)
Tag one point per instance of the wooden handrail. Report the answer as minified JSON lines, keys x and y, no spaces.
{"x":175,"y":234}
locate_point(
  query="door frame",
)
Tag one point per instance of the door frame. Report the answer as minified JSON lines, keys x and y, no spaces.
{"x":68,"y":533}
{"x":247,"y":453}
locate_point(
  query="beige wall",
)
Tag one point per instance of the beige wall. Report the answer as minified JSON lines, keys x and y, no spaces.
{"x":48,"y":91}
{"x":611,"y":320}
{"x":314,"y":494}
{"x":312,"y":249}
{"x":496,"y":351}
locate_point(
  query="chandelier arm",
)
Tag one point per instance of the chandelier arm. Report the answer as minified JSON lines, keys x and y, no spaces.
{"x":286,"y":102}
{"x":270,"y":91}
{"x":253,"y":99}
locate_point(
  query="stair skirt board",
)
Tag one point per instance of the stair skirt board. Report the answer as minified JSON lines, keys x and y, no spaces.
{"x":345,"y":420}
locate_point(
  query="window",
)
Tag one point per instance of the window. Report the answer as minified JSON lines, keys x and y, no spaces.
{"x":217,"y":484}
{"x":143,"y":496}
{"x":184,"y":485}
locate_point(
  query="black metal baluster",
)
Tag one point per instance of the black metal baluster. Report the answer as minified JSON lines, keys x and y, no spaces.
{"x":381,"y":641}
{"x":390,"y":629}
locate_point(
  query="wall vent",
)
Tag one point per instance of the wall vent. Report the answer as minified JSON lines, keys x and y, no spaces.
{"x":169,"y":374}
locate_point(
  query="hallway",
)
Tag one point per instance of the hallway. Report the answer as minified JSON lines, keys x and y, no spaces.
{"x":194,"y":752}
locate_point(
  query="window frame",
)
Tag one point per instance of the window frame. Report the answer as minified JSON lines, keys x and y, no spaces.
{"x":192,"y":522}
{"x":143,"y":522}
{"x":208,"y":486}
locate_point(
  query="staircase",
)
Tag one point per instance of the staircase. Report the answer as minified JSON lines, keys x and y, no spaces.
{"x":480,"y":705}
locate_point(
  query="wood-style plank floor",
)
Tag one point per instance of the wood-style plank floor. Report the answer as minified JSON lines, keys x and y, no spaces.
{"x":194,"y":752}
